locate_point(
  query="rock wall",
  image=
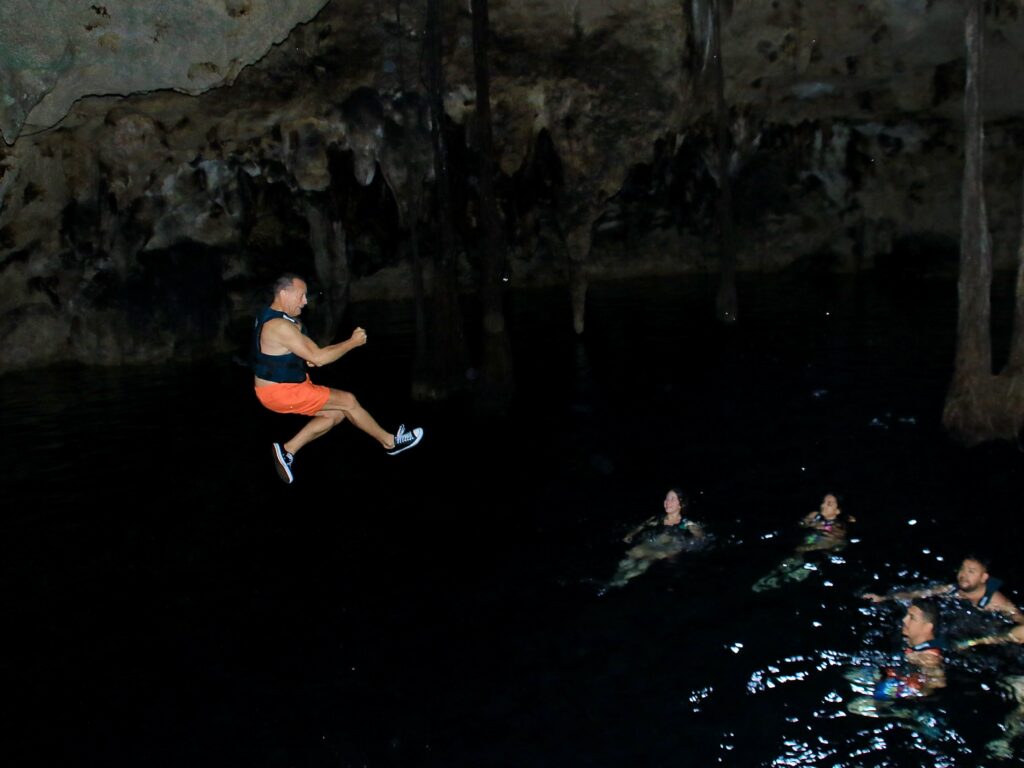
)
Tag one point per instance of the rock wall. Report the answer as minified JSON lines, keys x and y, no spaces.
{"x":163,"y":161}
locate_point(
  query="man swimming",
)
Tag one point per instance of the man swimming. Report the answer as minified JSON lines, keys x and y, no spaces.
{"x":918,"y":674}
{"x":974,"y":585}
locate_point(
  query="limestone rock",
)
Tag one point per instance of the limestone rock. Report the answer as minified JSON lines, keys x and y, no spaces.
{"x":55,"y":52}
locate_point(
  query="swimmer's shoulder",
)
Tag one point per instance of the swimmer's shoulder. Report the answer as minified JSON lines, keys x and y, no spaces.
{"x":1003,"y":604}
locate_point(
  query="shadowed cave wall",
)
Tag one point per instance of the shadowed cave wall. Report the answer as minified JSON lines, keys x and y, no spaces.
{"x":161,"y":164}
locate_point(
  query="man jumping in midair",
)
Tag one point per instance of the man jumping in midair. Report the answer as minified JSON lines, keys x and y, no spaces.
{"x":281,"y":353}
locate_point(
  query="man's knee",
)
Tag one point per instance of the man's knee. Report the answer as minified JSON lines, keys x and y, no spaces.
{"x":346,"y":401}
{"x":328,"y":419}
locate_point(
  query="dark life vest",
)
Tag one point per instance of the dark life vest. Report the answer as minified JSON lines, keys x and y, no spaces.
{"x":288,"y":368}
{"x":991,"y":587}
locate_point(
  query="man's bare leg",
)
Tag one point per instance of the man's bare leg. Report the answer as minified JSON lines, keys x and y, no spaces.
{"x":346,"y":403}
{"x":318,"y":426}
{"x":341,"y":405}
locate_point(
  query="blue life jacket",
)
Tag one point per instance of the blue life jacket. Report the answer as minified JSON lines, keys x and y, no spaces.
{"x":288,"y":368}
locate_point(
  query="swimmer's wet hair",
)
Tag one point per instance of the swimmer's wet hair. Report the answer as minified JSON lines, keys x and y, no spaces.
{"x":929,"y":609}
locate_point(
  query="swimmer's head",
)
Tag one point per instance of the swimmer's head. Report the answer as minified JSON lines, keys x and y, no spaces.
{"x":829,"y":507}
{"x":973,"y":572}
{"x":675,"y":501}
{"x":921,"y":621}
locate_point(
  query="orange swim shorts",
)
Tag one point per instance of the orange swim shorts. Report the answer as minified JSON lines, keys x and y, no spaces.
{"x":304,"y":398}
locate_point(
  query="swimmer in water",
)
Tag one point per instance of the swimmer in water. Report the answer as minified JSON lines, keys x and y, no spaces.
{"x":828,"y":532}
{"x":918,"y":674}
{"x":827,"y":524}
{"x":660,"y":539}
{"x":974,"y":585}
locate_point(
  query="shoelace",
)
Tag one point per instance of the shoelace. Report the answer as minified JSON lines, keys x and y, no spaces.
{"x":401,"y":436}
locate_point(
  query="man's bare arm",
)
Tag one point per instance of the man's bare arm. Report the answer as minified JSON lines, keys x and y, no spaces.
{"x":1015,"y":635}
{"x":908,"y":595}
{"x":286,"y":335}
{"x":1002,"y":604}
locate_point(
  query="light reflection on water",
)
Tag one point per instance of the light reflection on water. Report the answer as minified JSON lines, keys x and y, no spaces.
{"x":834,"y":736}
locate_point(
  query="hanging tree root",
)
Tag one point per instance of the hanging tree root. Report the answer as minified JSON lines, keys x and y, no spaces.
{"x":986,"y":408}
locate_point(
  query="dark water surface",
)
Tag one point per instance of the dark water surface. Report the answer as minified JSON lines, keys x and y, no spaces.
{"x":169,"y":602}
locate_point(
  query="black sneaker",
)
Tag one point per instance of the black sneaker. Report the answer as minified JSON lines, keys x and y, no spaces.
{"x":283,"y":463}
{"x":404,"y":440}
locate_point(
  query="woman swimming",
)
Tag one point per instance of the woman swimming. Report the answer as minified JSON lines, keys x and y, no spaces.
{"x":660,"y":538}
{"x":828,"y":533}
{"x":827,"y":524}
